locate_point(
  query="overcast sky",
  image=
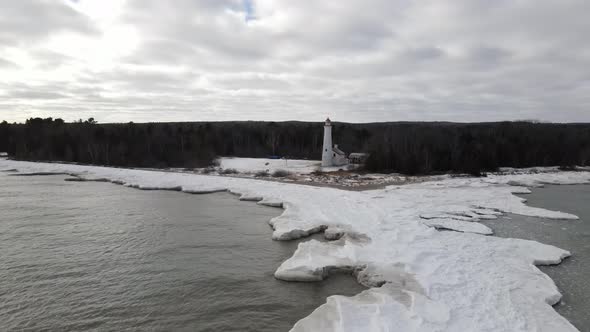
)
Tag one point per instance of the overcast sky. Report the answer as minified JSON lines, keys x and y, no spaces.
{"x":354,"y":60}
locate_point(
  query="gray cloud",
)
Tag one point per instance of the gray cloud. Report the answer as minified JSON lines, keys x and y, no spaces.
{"x":7,"y":64}
{"x":374,"y":60}
{"x":27,"y":21}
{"x":35,"y":94}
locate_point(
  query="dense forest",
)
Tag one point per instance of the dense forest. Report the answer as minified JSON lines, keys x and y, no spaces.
{"x":405,"y":147}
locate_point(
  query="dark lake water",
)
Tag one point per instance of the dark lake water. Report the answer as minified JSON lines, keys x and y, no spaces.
{"x":572,"y":276}
{"x":101,"y":257}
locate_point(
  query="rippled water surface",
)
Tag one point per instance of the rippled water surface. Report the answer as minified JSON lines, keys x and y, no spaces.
{"x":96,"y":256}
{"x":572,"y":276}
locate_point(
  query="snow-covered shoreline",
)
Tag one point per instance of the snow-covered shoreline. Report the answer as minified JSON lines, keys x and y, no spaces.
{"x":422,"y":279}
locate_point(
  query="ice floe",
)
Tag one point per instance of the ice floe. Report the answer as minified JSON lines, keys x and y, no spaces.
{"x":421,"y":279}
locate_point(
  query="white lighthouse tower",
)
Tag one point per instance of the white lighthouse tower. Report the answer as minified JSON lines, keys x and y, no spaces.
{"x":327,"y":154}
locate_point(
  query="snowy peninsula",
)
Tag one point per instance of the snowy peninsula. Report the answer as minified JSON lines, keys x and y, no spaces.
{"x":420,"y":278}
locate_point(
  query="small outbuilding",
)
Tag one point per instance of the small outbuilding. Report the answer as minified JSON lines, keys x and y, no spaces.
{"x":358,"y":158}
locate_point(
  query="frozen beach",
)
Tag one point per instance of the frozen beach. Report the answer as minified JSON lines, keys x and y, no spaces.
{"x":421,"y":278}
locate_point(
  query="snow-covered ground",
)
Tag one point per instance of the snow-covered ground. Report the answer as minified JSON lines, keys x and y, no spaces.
{"x":253,"y":165}
{"x":302,"y":171}
{"x":421,"y":279}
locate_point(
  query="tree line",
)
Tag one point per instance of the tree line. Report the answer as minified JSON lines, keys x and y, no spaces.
{"x":405,"y":147}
